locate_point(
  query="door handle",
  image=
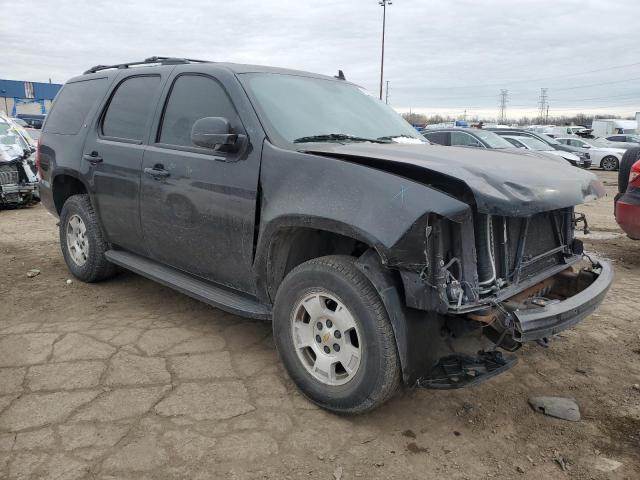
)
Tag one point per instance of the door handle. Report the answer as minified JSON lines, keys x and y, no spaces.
{"x":157,"y":172}
{"x":93,"y":158}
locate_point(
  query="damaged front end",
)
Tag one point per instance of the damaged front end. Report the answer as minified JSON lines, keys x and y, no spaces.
{"x":508,"y":280}
{"x":18,"y":183}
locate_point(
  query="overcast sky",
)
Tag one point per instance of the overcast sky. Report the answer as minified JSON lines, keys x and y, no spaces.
{"x":441,"y":56}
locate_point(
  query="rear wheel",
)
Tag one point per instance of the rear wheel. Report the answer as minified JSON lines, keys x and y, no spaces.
{"x":630,"y":157}
{"x":610,"y":163}
{"x":82,"y":242}
{"x":333,"y":334}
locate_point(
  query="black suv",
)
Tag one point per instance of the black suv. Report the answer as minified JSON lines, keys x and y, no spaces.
{"x":299,"y":198}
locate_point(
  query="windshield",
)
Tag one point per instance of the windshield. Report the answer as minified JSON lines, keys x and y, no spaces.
{"x":534,"y":144}
{"x":296,"y":109}
{"x":492,"y":139}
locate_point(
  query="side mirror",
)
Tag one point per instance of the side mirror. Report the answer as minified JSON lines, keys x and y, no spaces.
{"x":213,"y":132}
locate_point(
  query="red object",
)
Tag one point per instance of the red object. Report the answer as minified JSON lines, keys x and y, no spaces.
{"x":627,"y":207}
{"x":38,"y":165}
{"x":634,"y":175}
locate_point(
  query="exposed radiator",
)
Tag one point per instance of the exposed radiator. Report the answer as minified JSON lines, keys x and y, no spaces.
{"x":8,"y":175}
{"x":502,"y":255}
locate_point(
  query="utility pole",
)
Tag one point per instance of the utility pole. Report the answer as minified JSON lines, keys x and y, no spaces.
{"x":543,"y":104}
{"x":386,"y":95}
{"x":383,"y":4}
{"x":504,"y":94}
{"x":547,"y":115}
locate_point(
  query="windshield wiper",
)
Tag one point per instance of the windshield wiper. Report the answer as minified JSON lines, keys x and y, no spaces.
{"x":337,"y":137}
{"x":391,"y":137}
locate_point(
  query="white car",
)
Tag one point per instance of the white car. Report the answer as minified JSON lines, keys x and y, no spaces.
{"x":530,"y":143}
{"x":603,"y":154}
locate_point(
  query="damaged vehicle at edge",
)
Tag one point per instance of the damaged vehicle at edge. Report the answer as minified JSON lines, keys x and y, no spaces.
{"x":18,"y":182}
{"x":295,"y":197}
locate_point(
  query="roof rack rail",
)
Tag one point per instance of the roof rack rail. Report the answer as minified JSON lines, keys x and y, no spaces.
{"x":146,"y":61}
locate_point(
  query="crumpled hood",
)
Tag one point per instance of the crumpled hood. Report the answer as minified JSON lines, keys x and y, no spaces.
{"x":503,"y":183}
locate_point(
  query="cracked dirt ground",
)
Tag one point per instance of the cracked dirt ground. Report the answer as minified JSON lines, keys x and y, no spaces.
{"x":127,"y":379}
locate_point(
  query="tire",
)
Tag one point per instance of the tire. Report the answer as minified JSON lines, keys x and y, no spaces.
{"x":630,"y":157}
{"x":77,"y":211}
{"x":609,"y":163}
{"x":347,"y":389}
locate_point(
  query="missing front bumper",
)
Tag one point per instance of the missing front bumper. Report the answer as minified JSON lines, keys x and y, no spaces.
{"x":583,"y":292}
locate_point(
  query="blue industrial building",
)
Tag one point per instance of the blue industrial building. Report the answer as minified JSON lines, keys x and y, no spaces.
{"x":18,"y":96}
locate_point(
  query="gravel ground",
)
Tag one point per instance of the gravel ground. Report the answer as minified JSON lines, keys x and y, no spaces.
{"x":128,"y":379}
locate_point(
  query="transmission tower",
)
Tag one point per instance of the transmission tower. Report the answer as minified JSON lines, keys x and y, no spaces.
{"x":504,"y":94}
{"x":544,"y":104}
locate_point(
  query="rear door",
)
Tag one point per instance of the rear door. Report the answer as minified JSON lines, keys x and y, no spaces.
{"x":199,"y":215}
{"x":114,"y":151}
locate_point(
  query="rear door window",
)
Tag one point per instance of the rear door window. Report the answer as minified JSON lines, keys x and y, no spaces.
{"x":194,"y":97}
{"x":441,"y":138}
{"x":130,"y":108}
{"x":72,"y":105}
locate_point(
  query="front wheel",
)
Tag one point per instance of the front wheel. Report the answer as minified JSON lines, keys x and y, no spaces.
{"x":610,"y":163}
{"x":334,"y":336}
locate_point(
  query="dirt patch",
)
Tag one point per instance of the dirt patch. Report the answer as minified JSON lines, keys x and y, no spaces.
{"x":97,"y":376}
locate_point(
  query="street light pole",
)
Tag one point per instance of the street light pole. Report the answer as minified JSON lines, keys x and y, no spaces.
{"x":384,"y":4}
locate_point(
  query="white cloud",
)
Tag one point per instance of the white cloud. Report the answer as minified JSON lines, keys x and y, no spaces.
{"x":441,"y":56}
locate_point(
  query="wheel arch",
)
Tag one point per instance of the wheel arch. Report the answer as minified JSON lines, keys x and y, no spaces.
{"x":64,"y":185}
{"x":291,"y":240}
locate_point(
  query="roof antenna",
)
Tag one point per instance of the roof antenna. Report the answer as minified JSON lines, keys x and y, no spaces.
{"x":340,"y":75}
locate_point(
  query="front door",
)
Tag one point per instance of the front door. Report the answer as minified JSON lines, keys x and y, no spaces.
{"x":114,"y":151}
{"x":198,"y":205}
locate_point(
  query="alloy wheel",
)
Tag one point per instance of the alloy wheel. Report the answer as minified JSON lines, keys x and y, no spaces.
{"x":326,"y":338}
{"x":77,"y":241}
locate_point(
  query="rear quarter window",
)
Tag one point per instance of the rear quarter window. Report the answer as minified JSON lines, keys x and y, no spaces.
{"x":72,"y":105}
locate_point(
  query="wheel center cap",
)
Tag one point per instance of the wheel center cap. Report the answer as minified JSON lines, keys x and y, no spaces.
{"x":325,"y":337}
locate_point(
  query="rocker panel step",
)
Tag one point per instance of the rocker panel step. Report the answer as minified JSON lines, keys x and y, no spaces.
{"x":219,"y":297}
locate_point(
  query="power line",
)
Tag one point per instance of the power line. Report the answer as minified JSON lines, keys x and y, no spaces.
{"x":531,"y":80}
{"x":598,"y":84}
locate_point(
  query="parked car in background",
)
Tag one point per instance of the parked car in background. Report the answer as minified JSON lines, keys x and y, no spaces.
{"x":298,"y":198}
{"x":480,"y":138}
{"x":582,"y":153}
{"x":603,"y":154}
{"x":35,"y":120}
{"x":629,"y":140}
{"x":535,"y":145}
{"x":627,"y":201}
